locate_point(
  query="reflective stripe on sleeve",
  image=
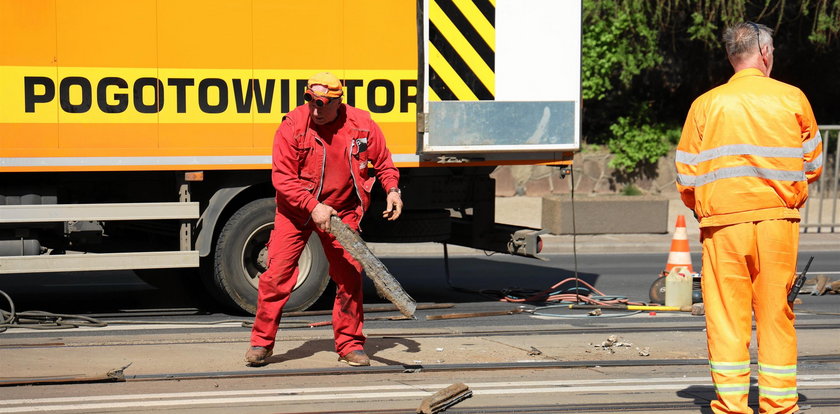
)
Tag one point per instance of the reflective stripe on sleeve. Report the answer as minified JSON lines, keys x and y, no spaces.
{"x":736,"y":172}
{"x":812,"y":143}
{"x":814,"y":165}
{"x":738,"y":149}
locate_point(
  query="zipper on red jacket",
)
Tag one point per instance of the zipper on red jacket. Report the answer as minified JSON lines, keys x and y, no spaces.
{"x":323,"y":165}
{"x":355,"y":180}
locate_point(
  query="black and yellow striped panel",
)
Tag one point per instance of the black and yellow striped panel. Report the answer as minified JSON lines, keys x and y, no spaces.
{"x":462,"y":50}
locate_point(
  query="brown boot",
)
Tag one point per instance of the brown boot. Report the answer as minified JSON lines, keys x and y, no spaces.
{"x":357,"y":358}
{"x":257,"y":355}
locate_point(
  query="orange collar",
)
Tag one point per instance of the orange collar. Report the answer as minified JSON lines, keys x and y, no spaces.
{"x":746,"y":72}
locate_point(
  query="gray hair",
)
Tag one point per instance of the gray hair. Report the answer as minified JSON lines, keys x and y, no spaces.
{"x":744,"y":39}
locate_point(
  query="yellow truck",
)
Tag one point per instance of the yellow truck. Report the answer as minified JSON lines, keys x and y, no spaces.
{"x":137,"y":134}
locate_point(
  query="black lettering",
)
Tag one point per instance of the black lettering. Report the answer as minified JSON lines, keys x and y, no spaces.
{"x":141,"y":106}
{"x":351,"y":85}
{"x":301,"y":88}
{"x":102,"y":95}
{"x":64,"y":95}
{"x":389,"y":96}
{"x":205,"y":106}
{"x":284,"y":96}
{"x":405,"y":98}
{"x":180,"y":85}
{"x":29,"y":96}
{"x":243,"y":104}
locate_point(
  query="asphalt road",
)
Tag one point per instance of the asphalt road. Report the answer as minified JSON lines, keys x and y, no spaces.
{"x":195,"y":368}
{"x":480,"y":280}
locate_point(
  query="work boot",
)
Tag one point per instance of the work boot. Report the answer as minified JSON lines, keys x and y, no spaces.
{"x":257,"y":355}
{"x":357,"y":358}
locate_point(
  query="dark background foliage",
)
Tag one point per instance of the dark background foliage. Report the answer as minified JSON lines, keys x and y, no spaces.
{"x":644,"y":62}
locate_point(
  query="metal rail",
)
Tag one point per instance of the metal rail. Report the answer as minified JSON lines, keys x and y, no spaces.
{"x":399,"y":369}
{"x":820,"y":212}
{"x":577,"y":407}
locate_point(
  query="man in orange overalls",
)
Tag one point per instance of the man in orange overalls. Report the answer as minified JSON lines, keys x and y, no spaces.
{"x":748,"y":150}
{"x":320,"y":169}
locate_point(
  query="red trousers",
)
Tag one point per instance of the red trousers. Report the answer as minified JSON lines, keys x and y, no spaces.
{"x":747,"y":271}
{"x":284,"y":249}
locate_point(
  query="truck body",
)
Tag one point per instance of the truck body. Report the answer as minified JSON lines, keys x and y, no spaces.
{"x":137,"y":135}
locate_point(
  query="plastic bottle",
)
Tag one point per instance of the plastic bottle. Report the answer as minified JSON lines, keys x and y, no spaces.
{"x":678,"y":286}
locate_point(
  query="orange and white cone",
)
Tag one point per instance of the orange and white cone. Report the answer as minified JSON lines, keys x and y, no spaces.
{"x":680,"y":255}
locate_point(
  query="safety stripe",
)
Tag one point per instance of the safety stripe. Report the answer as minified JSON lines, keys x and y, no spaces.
{"x":736,"y":172}
{"x":812,"y":143}
{"x":728,"y":368}
{"x":738,"y":149}
{"x":137,"y":161}
{"x":732,"y":389}
{"x":152,"y":161}
{"x":462,"y":49}
{"x":777,"y":393}
{"x":814,"y":165}
{"x":448,"y":83}
{"x":777,"y":370}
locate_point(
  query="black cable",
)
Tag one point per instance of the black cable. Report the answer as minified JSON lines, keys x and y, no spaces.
{"x":448,"y":275}
{"x":7,"y":320}
{"x":42,"y":320}
{"x":574,"y":235}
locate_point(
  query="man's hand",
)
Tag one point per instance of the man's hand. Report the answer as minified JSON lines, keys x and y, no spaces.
{"x":321,"y":216}
{"x":393,"y":207}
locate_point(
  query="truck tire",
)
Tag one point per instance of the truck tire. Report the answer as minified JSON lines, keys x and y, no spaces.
{"x":240,"y":257}
{"x":413,"y":226}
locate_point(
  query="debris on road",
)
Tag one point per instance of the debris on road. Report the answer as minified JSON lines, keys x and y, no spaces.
{"x":611,"y":343}
{"x":444,"y":399}
{"x":698,"y":309}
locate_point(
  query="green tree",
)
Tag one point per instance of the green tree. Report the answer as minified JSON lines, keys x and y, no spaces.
{"x":643,"y":62}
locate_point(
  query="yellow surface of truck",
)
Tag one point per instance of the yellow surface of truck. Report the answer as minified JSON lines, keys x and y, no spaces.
{"x":140,"y":132}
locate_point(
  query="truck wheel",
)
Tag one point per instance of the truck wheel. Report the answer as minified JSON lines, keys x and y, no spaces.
{"x":240,"y":257}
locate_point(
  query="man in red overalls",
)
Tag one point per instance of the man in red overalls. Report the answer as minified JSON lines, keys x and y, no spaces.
{"x":320,"y":169}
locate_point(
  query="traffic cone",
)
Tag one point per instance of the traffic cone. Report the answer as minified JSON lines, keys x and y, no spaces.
{"x":680,"y":254}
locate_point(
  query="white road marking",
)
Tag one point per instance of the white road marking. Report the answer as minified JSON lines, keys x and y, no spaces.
{"x":377,"y":392}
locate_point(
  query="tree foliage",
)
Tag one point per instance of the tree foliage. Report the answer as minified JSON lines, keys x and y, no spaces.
{"x":643,"y":62}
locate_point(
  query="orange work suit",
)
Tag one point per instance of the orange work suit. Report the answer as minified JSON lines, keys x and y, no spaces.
{"x":748,"y":150}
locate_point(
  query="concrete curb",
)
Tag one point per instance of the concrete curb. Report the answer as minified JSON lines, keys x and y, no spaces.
{"x":527,"y":212}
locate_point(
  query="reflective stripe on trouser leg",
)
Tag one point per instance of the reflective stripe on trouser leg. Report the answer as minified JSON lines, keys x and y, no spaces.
{"x":776,"y":336}
{"x":276,"y":283}
{"x":727,"y":296}
{"x":346,"y":272}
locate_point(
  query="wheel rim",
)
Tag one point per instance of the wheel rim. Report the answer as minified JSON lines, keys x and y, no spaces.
{"x":255,"y":255}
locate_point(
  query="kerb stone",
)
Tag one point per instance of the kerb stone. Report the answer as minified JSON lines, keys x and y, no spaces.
{"x":605,"y":215}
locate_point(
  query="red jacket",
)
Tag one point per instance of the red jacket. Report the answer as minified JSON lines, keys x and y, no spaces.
{"x":298,"y":160}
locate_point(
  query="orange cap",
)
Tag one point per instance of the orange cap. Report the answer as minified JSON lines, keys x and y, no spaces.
{"x":327,"y":80}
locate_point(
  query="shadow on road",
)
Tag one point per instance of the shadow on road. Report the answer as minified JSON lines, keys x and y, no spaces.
{"x":473,"y":280}
{"x":372,"y":347}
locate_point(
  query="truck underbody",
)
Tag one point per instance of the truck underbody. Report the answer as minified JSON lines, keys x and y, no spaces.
{"x":215,"y":225}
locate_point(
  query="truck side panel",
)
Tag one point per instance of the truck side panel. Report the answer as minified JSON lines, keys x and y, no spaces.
{"x":165,"y":85}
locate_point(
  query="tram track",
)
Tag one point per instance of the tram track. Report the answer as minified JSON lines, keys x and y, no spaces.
{"x":606,"y":408}
{"x":111,"y":336}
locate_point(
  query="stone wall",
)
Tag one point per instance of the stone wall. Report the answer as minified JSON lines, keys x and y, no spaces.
{"x":592,"y":176}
